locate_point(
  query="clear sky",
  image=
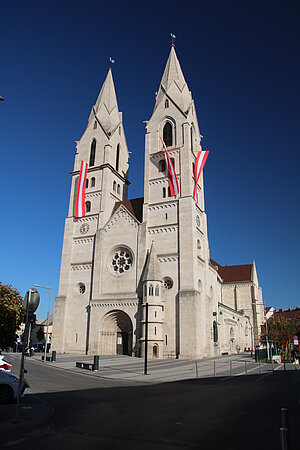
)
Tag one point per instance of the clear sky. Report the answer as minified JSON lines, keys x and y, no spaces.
{"x":241,"y":62}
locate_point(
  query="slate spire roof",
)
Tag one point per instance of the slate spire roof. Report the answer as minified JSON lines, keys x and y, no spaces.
{"x":106,"y":106}
{"x":173,"y":84}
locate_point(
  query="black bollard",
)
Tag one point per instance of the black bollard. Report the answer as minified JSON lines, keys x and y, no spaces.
{"x":96,"y":362}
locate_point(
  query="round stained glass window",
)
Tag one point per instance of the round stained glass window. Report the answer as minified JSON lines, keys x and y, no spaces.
{"x":168,"y":283}
{"x":121,"y":261}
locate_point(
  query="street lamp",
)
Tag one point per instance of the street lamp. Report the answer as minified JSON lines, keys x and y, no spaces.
{"x":50,"y":288}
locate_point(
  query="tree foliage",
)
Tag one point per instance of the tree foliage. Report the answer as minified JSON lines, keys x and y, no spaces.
{"x":281,"y":330}
{"x":11,"y":314}
{"x":40,"y":334}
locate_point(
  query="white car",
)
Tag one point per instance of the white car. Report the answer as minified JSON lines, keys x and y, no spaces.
{"x":9,"y":386}
{"x":4,"y":365}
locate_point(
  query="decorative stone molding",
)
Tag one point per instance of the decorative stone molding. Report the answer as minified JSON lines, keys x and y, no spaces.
{"x":121,"y":213}
{"x":161,"y":154}
{"x":171,"y":257}
{"x":113,"y":304}
{"x":162,"y":206}
{"x":87,"y":219}
{"x":86,"y":266}
{"x":166,"y":229}
{"x":92,"y":195}
{"x":87,"y":240}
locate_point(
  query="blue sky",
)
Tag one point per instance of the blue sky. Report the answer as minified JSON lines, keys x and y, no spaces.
{"x":241,"y":62}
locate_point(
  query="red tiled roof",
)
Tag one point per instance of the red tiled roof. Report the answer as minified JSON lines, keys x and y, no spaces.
{"x":134,"y":206}
{"x":231,"y":274}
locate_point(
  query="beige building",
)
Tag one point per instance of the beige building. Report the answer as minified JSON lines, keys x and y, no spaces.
{"x":153,"y":250}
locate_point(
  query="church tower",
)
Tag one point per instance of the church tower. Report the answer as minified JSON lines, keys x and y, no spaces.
{"x":103,"y":146}
{"x":177,"y":225}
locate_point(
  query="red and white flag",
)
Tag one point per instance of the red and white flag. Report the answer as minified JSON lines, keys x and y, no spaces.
{"x":173,"y":181}
{"x":199,"y":164}
{"x":80,"y":197}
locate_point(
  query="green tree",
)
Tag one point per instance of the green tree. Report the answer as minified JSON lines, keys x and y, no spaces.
{"x":40,"y":334}
{"x":11,"y":314}
{"x":281,"y":330}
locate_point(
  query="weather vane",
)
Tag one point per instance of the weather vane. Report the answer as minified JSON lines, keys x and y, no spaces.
{"x":173,"y":37}
{"x":111,"y":62}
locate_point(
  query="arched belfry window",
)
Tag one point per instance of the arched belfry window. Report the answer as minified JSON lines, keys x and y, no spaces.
{"x":87,"y":207}
{"x":93,"y":182}
{"x":162,"y":165}
{"x":164,"y":192}
{"x":87,"y":183}
{"x":118,"y":157}
{"x":167,"y":135}
{"x":157,"y":290}
{"x":151,"y":289}
{"x":93,"y":153}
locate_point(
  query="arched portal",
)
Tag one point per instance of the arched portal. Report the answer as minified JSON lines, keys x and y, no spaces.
{"x":116,"y":334}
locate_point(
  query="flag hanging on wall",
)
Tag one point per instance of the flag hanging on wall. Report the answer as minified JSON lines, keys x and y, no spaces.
{"x":173,"y":181}
{"x":80,"y":197}
{"x":199,"y":164}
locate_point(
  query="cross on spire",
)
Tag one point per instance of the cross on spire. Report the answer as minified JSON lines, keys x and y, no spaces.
{"x":173,"y":37}
{"x":111,"y":62}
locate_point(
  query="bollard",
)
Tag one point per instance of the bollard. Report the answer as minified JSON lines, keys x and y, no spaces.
{"x":96,"y":362}
{"x":284,"y":434}
{"x":215,"y":372}
{"x":246,"y":368}
{"x":284,"y":365}
{"x":53,"y":357}
{"x":230,"y":368}
{"x":196,"y":370}
{"x":259,"y":365}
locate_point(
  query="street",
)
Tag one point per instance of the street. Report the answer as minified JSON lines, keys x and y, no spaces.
{"x":213,"y":413}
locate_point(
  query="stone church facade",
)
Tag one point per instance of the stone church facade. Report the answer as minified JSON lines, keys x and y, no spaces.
{"x":126,"y":254}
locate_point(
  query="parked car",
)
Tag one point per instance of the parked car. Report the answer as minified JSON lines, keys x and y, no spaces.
{"x":4,"y":365}
{"x":9,"y":386}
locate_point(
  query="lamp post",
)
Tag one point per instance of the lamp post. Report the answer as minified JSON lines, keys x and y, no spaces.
{"x":50,"y":289}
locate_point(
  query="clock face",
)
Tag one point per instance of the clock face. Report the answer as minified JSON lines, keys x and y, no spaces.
{"x":84,"y":228}
{"x":198,"y":221}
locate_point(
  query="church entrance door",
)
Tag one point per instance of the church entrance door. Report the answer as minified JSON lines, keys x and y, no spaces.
{"x":116,"y":334}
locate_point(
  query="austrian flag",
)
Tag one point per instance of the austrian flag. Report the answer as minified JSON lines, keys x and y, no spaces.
{"x":173,"y":181}
{"x":80,"y":197}
{"x":199,"y":164}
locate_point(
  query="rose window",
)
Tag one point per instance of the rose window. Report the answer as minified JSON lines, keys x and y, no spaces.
{"x":121,"y":261}
{"x":168,"y":283}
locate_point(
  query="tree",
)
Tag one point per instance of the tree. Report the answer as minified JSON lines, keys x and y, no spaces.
{"x":281,"y":330}
{"x":40,"y":334}
{"x":12,"y":314}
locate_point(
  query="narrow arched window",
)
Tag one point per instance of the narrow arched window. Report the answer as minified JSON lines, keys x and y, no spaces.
{"x":95,"y":125}
{"x":157,"y":290}
{"x":118,"y":157}
{"x":118,"y":189}
{"x":87,"y":207}
{"x":151,"y":289}
{"x":93,"y":182}
{"x":162,"y":165}
{"x":193,"y":168}
{"x":145,"y":290}
{"x":93,"y":153}
{"x":114,"y":186}
{"x":167,"y":103}
{"x":167,"y":135}
{"x":173,"y":162}
{"x":169,"y":192}
{"x":164,"y":192}
{"x":87,"y":183}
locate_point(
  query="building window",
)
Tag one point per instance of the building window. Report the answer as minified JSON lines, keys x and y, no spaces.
{"x":168,"y":283}
{"x":166,"y":215}
{"x":155,"y":314}
{"x":167,"y":103}
{"x":145,"y":290}
{"x":118,"y":157}
{"x":76,"y":338}
{"x":164,"y":192}
{"x":162,"y":165}
{"x":95,"y":125}
{"x":154,"y":330}
{"x":87,"y":207}
{"x":169,"y":192}
{"x":87,"y":183}
{"x":192,"y":138}
{"x":122,"y":260}
{"x":151,"y":289}
{"x":118,"y":189}
{"x":93,"y":153}
{"x":93,"y":182}
{"x":114,"y":186}
{"x":80,"y":288}
{"x":157,"y":291}
{"x":166,"y":339}
{"x":167,"y":134}
{"x":215,"y":330}
{"x":199,"y":286}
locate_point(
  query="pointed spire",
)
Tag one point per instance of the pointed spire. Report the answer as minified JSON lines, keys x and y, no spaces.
{"x":152,"y":271}
{"x":106,"y":107}
{"x":174,"y":84}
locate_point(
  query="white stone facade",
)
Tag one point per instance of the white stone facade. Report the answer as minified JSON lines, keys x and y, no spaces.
{"x":125,"y":254}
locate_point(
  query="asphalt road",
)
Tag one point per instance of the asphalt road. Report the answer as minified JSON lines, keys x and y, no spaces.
{"x":237,"y":413}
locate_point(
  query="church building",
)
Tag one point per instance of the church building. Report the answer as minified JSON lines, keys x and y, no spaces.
{"x":129,"y":264}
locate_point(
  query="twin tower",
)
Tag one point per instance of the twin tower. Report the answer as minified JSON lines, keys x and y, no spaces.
{"x":153,"y":250}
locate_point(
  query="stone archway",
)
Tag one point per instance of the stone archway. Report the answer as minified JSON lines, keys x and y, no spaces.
{"x":116,"y":334}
